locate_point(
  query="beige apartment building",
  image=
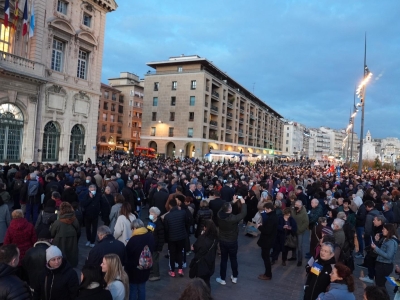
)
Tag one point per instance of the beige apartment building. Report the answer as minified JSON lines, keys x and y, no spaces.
{"x":50,"y":83}
{"x":132,"y":90}
{"x":192,"y":106}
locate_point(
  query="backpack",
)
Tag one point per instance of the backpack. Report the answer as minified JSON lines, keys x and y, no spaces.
{"x":17,"y":185}
{"x":346,"y":256}
{"x":145,"y":259}
{"x":33,"y":188}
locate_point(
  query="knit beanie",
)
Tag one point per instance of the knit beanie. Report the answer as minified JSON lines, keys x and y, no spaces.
{"x":51,"y":252}
{"x":327,"y":231}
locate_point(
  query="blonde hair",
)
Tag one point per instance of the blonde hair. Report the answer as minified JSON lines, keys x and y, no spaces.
{"x":16,"y":214}
{"x":116,"y":271}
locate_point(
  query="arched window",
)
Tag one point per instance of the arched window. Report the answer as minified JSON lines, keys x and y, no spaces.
{"x":51,"y":142}
{"x":11,"y":131}
{"x":76,"y":145}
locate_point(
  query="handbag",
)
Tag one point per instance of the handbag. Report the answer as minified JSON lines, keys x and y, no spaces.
{"x":194,"y":264}
{"x":291,"y":241}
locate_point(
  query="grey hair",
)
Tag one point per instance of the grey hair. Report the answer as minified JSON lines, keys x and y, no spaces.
{"x":341,"y":215}
{"x":103,"y":230}
{"x":278,"y":204}
{"x":380,"y":218}
{"x":137,"y":223}
{"x":330,"y":245}
{"x":338,"y":222}
{"x":155,"y":210}
{"x":299,"y":202}
{"x":118,"y":175}
{"x":32,"y":176}
{"x":389,"y":205}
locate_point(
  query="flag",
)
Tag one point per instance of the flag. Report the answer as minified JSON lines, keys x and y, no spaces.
{"x":25,"y":25}
{"x":32,"y":21}
{"x":14,"y":24}
{"x":6,"y":13}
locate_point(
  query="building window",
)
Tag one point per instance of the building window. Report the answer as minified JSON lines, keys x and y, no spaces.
{"x":171,"y":131}
{"x":287,"y":128}
{"x":114,"y":97}
{"x":174,"y":85}
{"x":287,"y":149}
{"x":130,"y":114}
{"x":77,"y":147}
{"x":155,"y":101}
{"x":105,"y":106}
{"x":191,"y":116}
{"x":173,"y":101}
{"x":57,"y":56}
{"x":120,"y":119}
{"x":51,"y":142}
{"x":180,"y":69}
{"x":153,"y":131}
{"x":112,"y":128}
{"x":193,"y":84}
{"x":106,"y":94}
{"x":87,"y":20}
{"x":119,"y":130}
{"x":82,"y":64}
{"x":192,"y":100}
{"x":112,"y":118}
{"x":190,"y":132}
{"x":105,"y":117}
{"x":6,"y":35}
{"x":156,"y":86}
{"x":104,"y":128}
{"x":112,"y":107}
{"x":172,"y":116}
{"x":154,"y":116}
{"x":287,"y":142}
{"x":11,"y":130}
{"x":287,"y":134}
{"x":62,"y":7}
{"x":130,"y":102}
{"x":120,"y":109}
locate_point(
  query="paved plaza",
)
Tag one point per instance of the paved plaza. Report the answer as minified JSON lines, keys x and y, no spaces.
{"x":287,"y":282}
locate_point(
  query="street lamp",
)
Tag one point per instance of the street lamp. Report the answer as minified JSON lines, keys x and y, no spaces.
{"x":181,"y":151}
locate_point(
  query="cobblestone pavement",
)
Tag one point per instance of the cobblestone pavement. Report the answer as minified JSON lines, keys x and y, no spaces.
{"x":287,"y":282}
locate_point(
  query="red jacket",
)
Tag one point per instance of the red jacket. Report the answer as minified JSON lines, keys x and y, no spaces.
{"x":21,"y":233}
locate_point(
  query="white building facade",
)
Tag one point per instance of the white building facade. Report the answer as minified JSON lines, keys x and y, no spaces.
{"x":294,"y":140}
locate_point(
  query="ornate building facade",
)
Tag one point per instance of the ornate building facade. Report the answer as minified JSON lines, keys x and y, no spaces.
{"x":50,"y":83}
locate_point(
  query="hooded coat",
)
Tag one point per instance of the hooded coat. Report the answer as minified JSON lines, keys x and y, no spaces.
{"x":21,"y":233}
{"x":65,"y":232}
{"x":11,"y":287}
{"x":34,"y":262}
{"x":316,"y":285}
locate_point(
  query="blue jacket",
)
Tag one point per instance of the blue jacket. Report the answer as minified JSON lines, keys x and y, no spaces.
{"x":387,"y":252}
{"x":337,"y":291}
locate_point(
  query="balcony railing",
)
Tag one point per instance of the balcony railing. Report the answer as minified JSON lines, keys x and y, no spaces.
{"x":229,"y":115}
{"x":215,"y":95}
{"x":213,"y":137}
{"x":241,"y":120}
{"x":228,"y":140}
{"x":230,"y":105}
{"x":241,"y":142}
{"x":214,"y":108}
{"x":214,"y":123}
{"x":228,"y":127}
{"x":16,"y":63}
{"x":207,"y":89}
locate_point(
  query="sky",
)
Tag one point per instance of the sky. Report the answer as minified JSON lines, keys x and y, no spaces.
{"x":304,"y":58}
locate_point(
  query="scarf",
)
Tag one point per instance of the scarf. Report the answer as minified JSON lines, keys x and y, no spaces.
{"x":139,"y":231}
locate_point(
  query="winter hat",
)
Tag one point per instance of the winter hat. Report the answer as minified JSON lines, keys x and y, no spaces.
{"x":51,"y":252}
{"x":44,"y":234}
{"x":327,"y":231}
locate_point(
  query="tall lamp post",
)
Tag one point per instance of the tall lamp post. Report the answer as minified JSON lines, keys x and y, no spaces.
{"x":361,"y":94}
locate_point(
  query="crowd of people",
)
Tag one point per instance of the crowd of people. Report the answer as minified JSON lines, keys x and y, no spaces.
{"x":197,"y":207}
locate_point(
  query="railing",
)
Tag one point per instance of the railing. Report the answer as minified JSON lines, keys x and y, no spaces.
{"x":207,"y":89}
{"x":21,"y":64}
{"x":229,"y":127}
{"x":230,"y":105}
{"x":240,"y":142}
{"x":213,"y":137}
{"x":241,"y":120}
{"x":229,"y":115}
{"x":149,"y":73}
{"x":215,"y":94}
{"x":241,"y":134}
{"x":228,"y":140}
{"x":223,"y":111}
{"x":215,"y":108}
{"x":170,"y":134}
{"x":242,"y":108}
{"x":213,"y":123}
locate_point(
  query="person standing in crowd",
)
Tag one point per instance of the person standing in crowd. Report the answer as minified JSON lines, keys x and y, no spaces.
{"x":227,"y":192}
{"x":31,"y":194}
{"x":268,"y":229}
{"x":196,"y":289}
{"x":130,"y":195}
{"x":114,"y":214}
{"x":299,"y":214}
{"x":59,"y":280}
{"x":140,"y":244}
{"x":175,"y":224}
{"x":107,"y":244}
{"x":5,"y":220}
{"x":215,"y":205}
{"x":228,"y":237}
{"x":91,"y":206}
{"x":91,"y":285}
{"x":342,"y":284}
{"x":205,"y":249}
{"x":47,"y":216}
{"x":21,"y":233}
{"x":11,"y":287}
{"x":338,"y":232}
{"x":106,"y":202}
{"x":65,"y":232}
{"x":313,"y":216}
{"x":160,"y":197}
{"x":360,"y":225}
{"x":122,"y":229}
{"x":251,"y":202}
{"x":157,"y":227}
{"x":116,"y":279}
{"x":372,"y":212}
{"x":204,"y":213}
{"x":373,"y":292}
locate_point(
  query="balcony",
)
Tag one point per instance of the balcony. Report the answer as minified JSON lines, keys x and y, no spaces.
{"x":205,"y":120}
{"x":214,"y":124}
{"x":230,"y":104}
{"x":214,"y":109}
{"x":228,"y":127}
{"x":250,"y":136}
{"x":241,"y":120}
{"x":229,"y":115}
{"x":17,"y":64}
{"x":228,"y":140}
{"x":241,"y":134}
{"x":215,"y":95}
{"x":241,"y":142}
{"x":242,"y":109}
{"x":207,"y":89}
{"x":213,"y":137}
{"x":253,"y":117}
{"x":251,"y":125}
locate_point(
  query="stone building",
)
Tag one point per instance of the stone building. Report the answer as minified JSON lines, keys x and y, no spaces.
{"x":50,"y":83}
{"x":191,"y":106}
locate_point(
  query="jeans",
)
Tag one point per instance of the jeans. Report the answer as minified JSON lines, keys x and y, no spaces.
{"x":175,"y":254}
{"x":300,"y":238}
{"x":137,"y":291}
{"x":91,"y":228}
{"x":228,"y":249}
{"x":381,"y":271}
{"x":360,"y":232}
{"x":155,"y":269}
{"x":267,"y":263}
{"x":32,"y":212}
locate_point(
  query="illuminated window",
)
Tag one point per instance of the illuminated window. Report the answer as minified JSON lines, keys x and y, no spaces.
{"x":6,"y":35}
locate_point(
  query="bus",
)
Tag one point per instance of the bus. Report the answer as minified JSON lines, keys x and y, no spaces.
{"x":145,"y":152}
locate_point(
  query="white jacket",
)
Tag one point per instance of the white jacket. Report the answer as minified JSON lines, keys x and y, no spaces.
{"x":122,"y":229}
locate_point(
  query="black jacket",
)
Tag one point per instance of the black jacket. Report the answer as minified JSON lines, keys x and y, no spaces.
{"x":205,"y":249}
{"x":215,"y":205}
{"x":316,"y":285}
{"x":175,"y":223}
{"x":361,"y":216}
{"x":69,"y":195}
{"x":106,"y":246}
{"x":34,"y":263}
{"x":228,"y":224}
{"x":24,"y":194}
{"x":94,"y":294}
{"x":227,"y":193}
{"x":91,"y":205}
{"x":130,"y":197}
{"x":159,"y":235}
{"x":268,"y":229}
{"x":160,"y":199}
{"x":203,"y":214}
{"x":11,"y":287}
{"x":59,"y":284}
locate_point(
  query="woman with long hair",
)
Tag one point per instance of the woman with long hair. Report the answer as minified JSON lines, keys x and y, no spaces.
{"x":114,"y":214}
{"x":386,"y":254}
{"x":122,"y":229}
{"x":342,"y":284}
{"x":90,"y":287}
{"x":196,"y":289}
{"x":205,"y":248}
{"x":115,"y":277}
